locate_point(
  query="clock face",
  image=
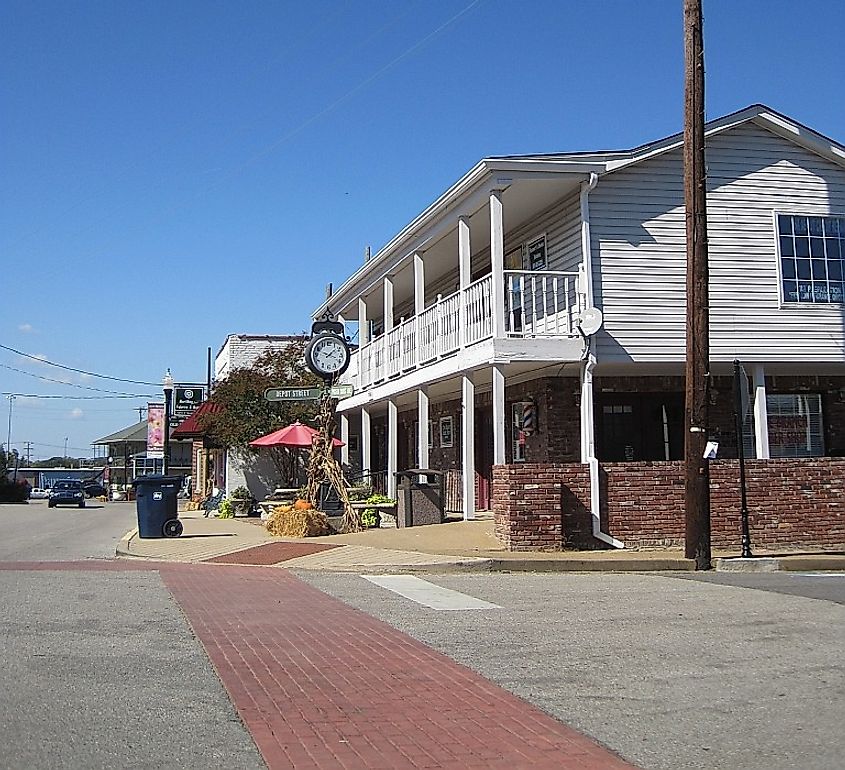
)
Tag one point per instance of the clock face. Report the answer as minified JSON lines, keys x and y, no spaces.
{"x":329,"y":354}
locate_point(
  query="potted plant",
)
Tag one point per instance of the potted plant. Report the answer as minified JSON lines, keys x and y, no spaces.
{"x":242,"y":502}
{"x":371,"y":516}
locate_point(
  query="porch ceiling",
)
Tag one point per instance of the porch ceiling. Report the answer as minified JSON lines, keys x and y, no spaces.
{"x":525,"y":196}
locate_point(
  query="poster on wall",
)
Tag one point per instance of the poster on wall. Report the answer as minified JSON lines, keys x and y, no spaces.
{"x":155,"y":431}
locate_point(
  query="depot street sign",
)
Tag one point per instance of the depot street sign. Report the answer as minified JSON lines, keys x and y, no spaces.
{"x":293,"y":394}
{"x":307,"y":394}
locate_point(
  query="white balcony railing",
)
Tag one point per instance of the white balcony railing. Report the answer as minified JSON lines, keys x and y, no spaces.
{"x":536,"y":304}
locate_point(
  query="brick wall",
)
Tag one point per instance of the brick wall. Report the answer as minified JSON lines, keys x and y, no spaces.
{"x":793,"y":503}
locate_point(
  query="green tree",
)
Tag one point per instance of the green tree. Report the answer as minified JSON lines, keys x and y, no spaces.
{"x":243,"y":413}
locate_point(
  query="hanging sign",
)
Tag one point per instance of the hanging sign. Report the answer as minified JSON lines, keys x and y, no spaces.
{"x":155,"y":431}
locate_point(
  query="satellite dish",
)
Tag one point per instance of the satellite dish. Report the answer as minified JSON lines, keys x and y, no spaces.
{"x":590,"y":320}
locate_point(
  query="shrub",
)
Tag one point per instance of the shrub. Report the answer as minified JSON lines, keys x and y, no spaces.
{"x":10,"y":492}
{"x":225,"y":510}
{"x":370,"y":516}
{"x":242,"y":493}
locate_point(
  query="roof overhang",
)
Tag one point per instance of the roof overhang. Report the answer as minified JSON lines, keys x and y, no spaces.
{"x":467,"y":196}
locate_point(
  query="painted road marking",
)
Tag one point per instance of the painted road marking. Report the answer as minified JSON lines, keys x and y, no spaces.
{"x":821,"y":574}
{"x":428,"y":594}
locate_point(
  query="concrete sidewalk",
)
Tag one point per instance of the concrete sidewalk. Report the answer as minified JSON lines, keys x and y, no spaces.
{"x":453,"y":546}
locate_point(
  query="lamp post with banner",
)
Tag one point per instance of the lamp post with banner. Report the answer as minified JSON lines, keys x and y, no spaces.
{"x":167,"y":386}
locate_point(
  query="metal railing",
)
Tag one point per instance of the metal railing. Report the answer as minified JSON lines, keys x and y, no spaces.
{"x":536,"y":304}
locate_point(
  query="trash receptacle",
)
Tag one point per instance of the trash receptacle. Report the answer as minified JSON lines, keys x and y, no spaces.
{"x":420,"y":500}
{"x":157,"y":505}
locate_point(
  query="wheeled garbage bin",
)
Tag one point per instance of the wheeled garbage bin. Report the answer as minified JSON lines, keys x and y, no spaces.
{"x":420,"y":498}
{"x":157,"y":505}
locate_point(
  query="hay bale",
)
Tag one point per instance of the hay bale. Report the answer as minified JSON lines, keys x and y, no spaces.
{"x":285,"y":521}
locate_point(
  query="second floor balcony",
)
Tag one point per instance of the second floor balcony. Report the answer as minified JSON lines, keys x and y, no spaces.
{"x":536,"y":304}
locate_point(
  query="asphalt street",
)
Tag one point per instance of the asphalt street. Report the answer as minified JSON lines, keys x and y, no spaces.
{"x":100,"y":669}
{"x":36,"y":532}
{"x":671,"y":673}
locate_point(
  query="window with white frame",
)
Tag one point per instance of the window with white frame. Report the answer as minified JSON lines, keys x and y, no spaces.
{"x":795,"y":424}
{"x":446,"y":432}
{"x":811,"y":255}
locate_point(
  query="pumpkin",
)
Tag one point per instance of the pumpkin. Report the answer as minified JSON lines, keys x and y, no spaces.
{"x":302,"y":505}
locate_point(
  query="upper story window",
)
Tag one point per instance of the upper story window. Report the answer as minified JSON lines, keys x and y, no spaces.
{"x":811,"y":255}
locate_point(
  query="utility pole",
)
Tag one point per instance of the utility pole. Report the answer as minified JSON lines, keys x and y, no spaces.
{"x":696,"y":470}
{"x":28,"y":449}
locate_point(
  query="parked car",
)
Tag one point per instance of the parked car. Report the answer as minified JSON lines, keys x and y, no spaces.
{"x":68,"y":492}
{"x":36,"y":493}
{"x":93,"y":489}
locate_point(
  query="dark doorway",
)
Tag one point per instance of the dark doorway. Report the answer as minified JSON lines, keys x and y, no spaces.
{"x":632,"y":427}
{"x":483,"y":458}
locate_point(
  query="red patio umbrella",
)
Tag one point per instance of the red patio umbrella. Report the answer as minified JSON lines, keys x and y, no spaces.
{"x":296,"y":435}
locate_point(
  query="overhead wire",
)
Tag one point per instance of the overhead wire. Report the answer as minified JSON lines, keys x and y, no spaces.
{"x":78,"y":371}
{"x":60,"y":382}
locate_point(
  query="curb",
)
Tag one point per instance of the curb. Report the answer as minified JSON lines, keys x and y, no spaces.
{"x":582,"y":565}
{"x":122,"y":548}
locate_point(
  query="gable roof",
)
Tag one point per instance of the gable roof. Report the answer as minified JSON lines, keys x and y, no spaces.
{"x":136,"y":432}
{"x":764,"y":116}
{"x":490,"y":171}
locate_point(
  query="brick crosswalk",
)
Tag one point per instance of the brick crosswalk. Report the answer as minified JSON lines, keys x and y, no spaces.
{"x":322,"y":685}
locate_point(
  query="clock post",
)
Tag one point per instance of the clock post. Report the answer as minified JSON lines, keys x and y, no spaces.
{"x":327,"y":354}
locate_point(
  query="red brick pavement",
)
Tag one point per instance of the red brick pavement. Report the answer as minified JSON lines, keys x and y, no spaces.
{"x":321,"y":685}
{"x":271,"y":553}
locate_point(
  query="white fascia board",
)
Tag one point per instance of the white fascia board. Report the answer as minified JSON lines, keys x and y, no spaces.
{"x":760,"y":114}
{"x":467,"y":195}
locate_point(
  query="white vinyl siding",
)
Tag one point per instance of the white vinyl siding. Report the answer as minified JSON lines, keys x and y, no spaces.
{"x":638,"y":240}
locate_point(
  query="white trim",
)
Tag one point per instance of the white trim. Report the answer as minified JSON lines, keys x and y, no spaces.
{"x":366,"y":443}
{"x":498,"y":414}
{"x":761,"y":415}
{"x":392,"y":447}
{"x":468,"y":445}
{"x":423,"y":425}
{"x":447,"y":420}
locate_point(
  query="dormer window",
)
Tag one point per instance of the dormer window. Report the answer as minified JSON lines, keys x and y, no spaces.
{"x":811,"y":255}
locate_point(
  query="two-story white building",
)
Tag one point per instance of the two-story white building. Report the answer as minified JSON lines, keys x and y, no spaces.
{"x":479,"y":352}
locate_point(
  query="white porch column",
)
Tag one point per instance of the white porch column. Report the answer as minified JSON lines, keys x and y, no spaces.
{"x":468,"y":445}
{"x":498,"y":415}
{"x":392,"y":446}
{"x":761,"y":414}
{"x":422,"y":427}
{"x":588,"y":440}
{"x":419,"y":283}
{"x":366,"y":444}
{"x":497,"y":262}
{"x":344,"y":437}
{"x":465,"y":267}
{"x":363,"y":329}
{"x":388,"y":305}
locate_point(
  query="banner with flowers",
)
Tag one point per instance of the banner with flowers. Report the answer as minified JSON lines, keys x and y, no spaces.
{"x":155,"y":431}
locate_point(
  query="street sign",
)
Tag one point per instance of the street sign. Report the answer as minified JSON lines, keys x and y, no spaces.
{"x":293,"y":394}
{"x":341,"y":391}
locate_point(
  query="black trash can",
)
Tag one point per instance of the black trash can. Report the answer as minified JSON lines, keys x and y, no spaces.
{"x":419,"y":501}
{"x":157,"y":505}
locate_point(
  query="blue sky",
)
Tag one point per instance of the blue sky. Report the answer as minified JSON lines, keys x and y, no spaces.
{"x":172,"y":172}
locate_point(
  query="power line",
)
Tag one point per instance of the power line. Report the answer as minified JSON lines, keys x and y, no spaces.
{"x":76,"y":398}
{"x":78,"y":371}
{"x":60,"y":382}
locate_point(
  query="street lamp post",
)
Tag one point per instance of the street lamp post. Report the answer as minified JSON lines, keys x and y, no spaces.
{"x":167,"y":386}
{"x":12,"y":397}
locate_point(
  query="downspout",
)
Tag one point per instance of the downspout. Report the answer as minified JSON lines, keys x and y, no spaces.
{"x":589,"y":363}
